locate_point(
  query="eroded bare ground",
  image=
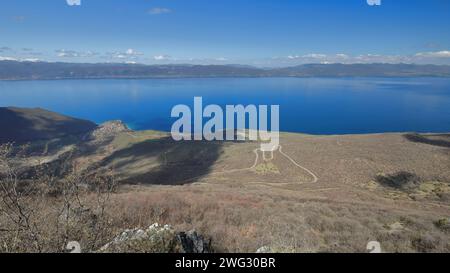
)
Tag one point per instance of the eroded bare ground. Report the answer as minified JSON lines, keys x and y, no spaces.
{"x":393,"y":188}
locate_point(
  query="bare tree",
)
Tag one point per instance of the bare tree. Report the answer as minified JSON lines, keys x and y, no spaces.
{"x":43,"y":213}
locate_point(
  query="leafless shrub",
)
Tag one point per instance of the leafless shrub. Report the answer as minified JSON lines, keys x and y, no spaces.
{"x":44,"y":213}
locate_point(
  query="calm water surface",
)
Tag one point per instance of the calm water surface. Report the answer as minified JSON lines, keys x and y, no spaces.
{"x":312,"y":105}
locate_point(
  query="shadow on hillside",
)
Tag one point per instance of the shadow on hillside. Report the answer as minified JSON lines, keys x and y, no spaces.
{"x":25,"y":125}
{"x":165,"y":161}
{"x":441,"y":140}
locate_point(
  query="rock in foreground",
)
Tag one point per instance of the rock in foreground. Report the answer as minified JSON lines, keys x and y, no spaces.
{"x":158,"y":239}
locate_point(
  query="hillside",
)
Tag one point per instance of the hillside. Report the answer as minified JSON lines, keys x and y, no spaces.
{"x":363,"y":70}
{"x":14,"y":70}
{"x":21,"y":125}
{"x":314,"y":194}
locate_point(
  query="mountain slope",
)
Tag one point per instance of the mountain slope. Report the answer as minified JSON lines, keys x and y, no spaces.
{"x":13,"y":70}
{"x":22,"y":124}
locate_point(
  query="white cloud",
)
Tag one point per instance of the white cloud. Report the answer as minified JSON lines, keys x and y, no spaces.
{"x":73,"y":2}
{"x":374,"y":2}
{"x":132,"y":52}
{"x":32,"y":60}
{"x":342,"y":56}
{"x":156,"y":11}
{"x":420,"y":58}
{"x":310,"y":56}
{"x":128,"y":54}
{"x":63,"y":53}
{"x":315,"y":56}
{"x":437,"y":54}
{"x":7,"y":58}
{"x":161,"y":57}
{"x":2,"y":58}
{"x":66,"y":54}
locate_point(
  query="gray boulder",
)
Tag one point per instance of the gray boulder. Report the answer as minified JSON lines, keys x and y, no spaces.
{"x":157,"y":239}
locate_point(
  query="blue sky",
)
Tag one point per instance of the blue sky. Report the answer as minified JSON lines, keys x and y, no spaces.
{"x":257,"y":32}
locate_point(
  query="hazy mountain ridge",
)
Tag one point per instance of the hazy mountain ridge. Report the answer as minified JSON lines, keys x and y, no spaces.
{"x":14,"y":70}
{"x":364,"y":70}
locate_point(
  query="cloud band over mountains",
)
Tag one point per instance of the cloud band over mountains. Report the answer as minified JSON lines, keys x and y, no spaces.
{"x":131,"y":55}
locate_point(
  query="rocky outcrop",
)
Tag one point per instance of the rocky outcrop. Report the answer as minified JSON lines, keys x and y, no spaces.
{"x":264,"y":249}
{"x":191,"y":242}
{"x":157,"y":239}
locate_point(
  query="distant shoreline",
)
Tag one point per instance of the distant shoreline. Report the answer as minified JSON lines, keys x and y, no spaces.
{"x":24,"y":71}
{"x":230,"y":77}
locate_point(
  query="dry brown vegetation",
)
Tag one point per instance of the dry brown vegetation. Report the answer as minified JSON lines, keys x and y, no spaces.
{"x":45,"y":213}
{"x":388,"y":188}
{"x":244,"y":221}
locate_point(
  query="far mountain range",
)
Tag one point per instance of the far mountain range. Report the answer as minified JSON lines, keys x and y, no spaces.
{"x":15,"y":70}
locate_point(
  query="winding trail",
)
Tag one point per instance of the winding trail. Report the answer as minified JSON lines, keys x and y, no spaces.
{"x":315,"y":178}
{"x":255,"y":164}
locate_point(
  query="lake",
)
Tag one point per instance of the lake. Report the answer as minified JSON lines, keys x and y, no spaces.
{"x":307,"y":105}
